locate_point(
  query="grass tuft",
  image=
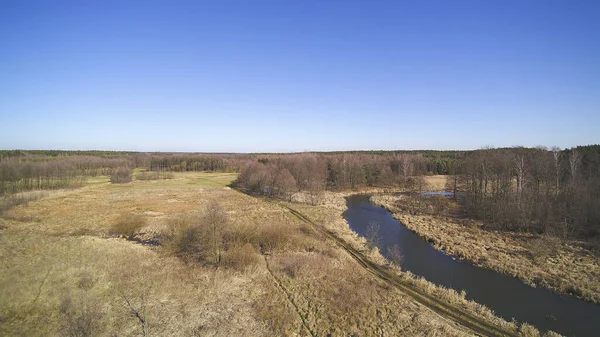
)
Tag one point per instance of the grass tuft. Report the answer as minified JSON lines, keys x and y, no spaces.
{"x":128,"y":224}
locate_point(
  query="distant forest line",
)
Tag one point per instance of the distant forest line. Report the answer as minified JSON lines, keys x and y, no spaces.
{"x":554,"y":191}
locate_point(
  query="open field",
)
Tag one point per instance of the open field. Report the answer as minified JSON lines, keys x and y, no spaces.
{"x":60,"y":268}
{"x":436,"y":182}
{"x":568,"y":267}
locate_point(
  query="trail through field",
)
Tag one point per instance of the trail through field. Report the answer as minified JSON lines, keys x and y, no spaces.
{"x":445,"y":310}
{"x":281,"y":287}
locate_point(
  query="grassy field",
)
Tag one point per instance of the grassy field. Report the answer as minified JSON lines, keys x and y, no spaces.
{"x":181,"y":180}
{"x":436,"y":182}
{"x":62,"y":272}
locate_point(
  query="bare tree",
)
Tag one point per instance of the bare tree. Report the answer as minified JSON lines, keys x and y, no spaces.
{"x":406,"y":165}
{"x":574,"y":162}
{"x":134,"y":287}
{"x":139,"y":310}
{"x":372,"y":234}
{"x":81,"y":317}
{"x":519,"y":166}
{"x":556,"y":155}
{"x":216,"y":219}
{"x":284,"y":183}
{"x":395,"y":255}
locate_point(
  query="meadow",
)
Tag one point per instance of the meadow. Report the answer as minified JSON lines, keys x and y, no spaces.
{"x":64,"y":273}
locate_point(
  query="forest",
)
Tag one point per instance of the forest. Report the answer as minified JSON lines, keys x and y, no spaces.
{"x":541,"y":190}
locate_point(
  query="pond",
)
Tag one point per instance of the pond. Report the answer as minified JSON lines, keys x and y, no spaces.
{"x":506,"y":296}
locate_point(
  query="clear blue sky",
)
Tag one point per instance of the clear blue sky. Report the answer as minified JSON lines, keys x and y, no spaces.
{"x":249,"y":76}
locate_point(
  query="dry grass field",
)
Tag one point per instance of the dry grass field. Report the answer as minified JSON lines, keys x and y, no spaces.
{"x":62,"y":273}
{"x":436,"y":182}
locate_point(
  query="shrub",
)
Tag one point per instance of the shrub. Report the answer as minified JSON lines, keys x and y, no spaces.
{"x":273,"y":236}
{"x":528,"y":330}
{"x":199,"y":236}
{"x":121,"y":175}
{"x":268,"y":236}
{"x":127,"y":224}
{"x":542,"y":248}
{"x":240,"y":257}
{"x":80,"y":317}
{"x":188,"y":243}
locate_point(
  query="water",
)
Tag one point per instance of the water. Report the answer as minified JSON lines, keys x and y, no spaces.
{"x":443,"y":193}
{"x":507,"y":296}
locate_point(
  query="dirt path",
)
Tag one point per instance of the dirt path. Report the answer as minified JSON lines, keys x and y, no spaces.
{"x":446,"y":310}
{"x":288,"y":296}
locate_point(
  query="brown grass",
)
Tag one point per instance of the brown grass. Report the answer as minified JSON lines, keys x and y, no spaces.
{"x":10,"y":201}
{"x":436,"y":182}
{"x":312,"y":286}
{"x":241,"y":257}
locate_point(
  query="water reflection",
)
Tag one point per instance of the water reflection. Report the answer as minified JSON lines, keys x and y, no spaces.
{"x":507,"y":296}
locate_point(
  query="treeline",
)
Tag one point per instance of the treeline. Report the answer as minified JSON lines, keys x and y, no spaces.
{"x":531,"y":189}
{"x":549,"y":191}
{"x":193,"y":162}
{"x":39,"y":170}
{"x":540,"y":190}
{"x":44,"y":154}
{"x":22,"y":170}
{"x":18,"y":175}
{"x":281,"y":175}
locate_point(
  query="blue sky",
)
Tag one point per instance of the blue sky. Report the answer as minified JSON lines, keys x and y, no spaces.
{"x":270,"y":76}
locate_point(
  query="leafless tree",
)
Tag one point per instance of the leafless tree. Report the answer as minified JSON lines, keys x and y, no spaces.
{"x":216,"y":219}
{"x":395,"y":255}
{"x":372,"y":234}
{"x":519,"y":165}
{"x":81,"y":316}
{"x":406,"y":165}
{"x":556,"y":155}
{"x":574,"y":163}
{"x":284,"y":183}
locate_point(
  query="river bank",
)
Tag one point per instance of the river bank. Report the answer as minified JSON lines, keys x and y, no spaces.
{"x":327,"y":216}
{"x":565,"y":267}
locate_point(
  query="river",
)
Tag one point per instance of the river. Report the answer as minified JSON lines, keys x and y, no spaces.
{"x":508,"y":297}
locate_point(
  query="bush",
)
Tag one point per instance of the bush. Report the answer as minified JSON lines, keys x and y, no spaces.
{"x":240,"y":257}
{"x":187,"y":238}
{"x":542,"y":248}
{"x":121,"y":175}
{"x":80,"y":317}
{"x":273,"y":236}
{"x":188,"y":242}
{"x":127,"y":224}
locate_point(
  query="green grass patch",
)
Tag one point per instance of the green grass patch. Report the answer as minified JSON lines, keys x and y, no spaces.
{"x":184,"y":180}
{"x":98,"y":180}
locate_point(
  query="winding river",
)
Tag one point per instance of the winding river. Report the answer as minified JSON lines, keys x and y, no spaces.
{"x":507,"y":296}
